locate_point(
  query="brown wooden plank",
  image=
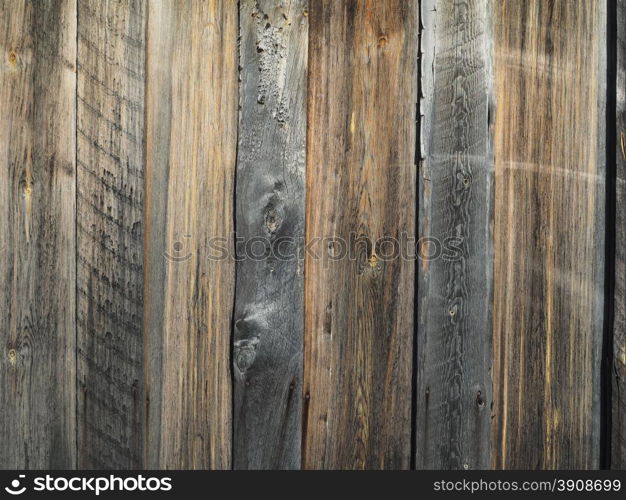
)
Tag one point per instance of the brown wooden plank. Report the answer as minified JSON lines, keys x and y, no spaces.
{"x":111,"y":54}
{"x":550,"y":66}
{"x":37,"y":224}
{"x":191,"y":142}
{"x":618,"y":431}
{"x":361,"y":179}
{"x":455,"y":213}
{"x":268,"y":322}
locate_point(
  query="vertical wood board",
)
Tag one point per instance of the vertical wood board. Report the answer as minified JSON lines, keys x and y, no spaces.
{"x":361,"y":179}
{"x":618,"y":431}
{"x":550,"y":66}
{"x":453,"y":393}
{"x":191,"y":134}
{"x":110,"y":111}
{"x":37,"y":228}
{"x":268,"y":320}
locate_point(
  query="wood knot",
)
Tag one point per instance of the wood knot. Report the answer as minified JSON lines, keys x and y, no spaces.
{"x":245,"y":353}
{"x":27,"y":189}
{"x":382,"y":41}
{"x":373,"y":260}
{"x":273,"y":220}
{"x":12,"y":354}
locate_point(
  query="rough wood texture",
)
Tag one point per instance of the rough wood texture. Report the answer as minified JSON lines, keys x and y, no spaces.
{"x":268,"y":321}
{"x":618,"y":438}
{"x":110,"y":235}
{"x":550,"y":63}
{"x":37,"y":224}
{"x":360,"y":179}
{"x":191,"y":133}
{"x":455,"y":275}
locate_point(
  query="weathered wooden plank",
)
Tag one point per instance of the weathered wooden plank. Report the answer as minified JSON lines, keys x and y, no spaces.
{"x":618,"y":431}
{"x":37,"y":224}
{"x":550,"y":67}
{"x":455,"y":213}
{"x":111,"y":54}
{"x":361,"y":178}
{"x":268,"y":321}
{"x":191,"y":134}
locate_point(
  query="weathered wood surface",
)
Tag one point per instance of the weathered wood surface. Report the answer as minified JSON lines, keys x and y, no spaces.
{"x":360,"y":179}
{"x":110,"y":98}
{"x":618,"y":437}
{"x":191,"y":142}
{"x":132,"y":339}
{"x":548,"y":232}
{"x":453,"y":392}
{"x":37,"y":228}
{"x":268,"y":320}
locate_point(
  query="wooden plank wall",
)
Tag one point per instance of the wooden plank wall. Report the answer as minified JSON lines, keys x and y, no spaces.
{"x":352,"y":234}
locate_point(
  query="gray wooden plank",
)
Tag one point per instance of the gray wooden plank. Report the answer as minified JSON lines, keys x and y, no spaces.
{"x":191,"y":143}
{"x":268,"y":319}
{"x":110,"y":111}
{"x":618,"y":431}
{"x":453,"y":390}
{"x":549,"y":231}
{"x":361,"y":175}
{"x":37,"y":224}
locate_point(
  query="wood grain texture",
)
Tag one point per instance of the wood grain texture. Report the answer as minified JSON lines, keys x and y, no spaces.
{"x":549,"y":232}
{"x":455,"y":274}
{"x":191,"y":142}
{"x":618,"y":438}
{"x":111,"y":54}
{"x":268,"y":321}
{"x":361,"y":179}
{"x":37,"y":224}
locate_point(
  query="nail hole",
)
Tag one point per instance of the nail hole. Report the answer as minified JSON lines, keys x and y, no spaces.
{"x":479,"y":399}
